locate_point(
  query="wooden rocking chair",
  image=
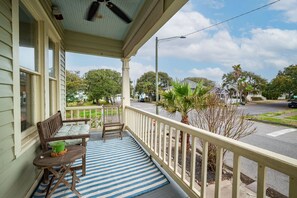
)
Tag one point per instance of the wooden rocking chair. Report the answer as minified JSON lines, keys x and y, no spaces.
{"x":112,"y":121}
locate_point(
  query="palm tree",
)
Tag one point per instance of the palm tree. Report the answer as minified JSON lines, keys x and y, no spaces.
{"x":181,"y":98}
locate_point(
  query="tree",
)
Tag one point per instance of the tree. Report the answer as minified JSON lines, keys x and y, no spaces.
{"x":74,"y":83}
{"x":286,"y":80}
{"x":243,"y":82}
{"x":147,"y":82}
{"x":226,"y":120}
{"x":102,"y":83}
{"x":181,"y":98}
{"x":205,"y":82}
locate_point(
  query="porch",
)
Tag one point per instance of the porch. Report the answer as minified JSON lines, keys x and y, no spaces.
{"x":40,"y":81}
{"x":117,"y":168}
{"x":156,"y":136}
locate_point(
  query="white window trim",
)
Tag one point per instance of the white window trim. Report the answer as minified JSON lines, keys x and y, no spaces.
{"x":26,"y":139}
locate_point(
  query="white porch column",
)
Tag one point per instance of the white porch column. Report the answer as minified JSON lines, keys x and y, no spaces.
{"x":125,"y":83}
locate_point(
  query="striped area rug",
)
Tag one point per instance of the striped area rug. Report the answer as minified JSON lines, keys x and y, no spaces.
{"x":115,"y":168}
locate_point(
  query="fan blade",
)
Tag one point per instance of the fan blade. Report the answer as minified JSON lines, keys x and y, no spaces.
{"x":116,"y":10}
{"x":92,"y":11}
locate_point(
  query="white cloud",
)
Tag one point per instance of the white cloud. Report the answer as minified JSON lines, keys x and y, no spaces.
{"x":214,"y":74}
{"x":137,"y":69}
{"x":265,"y":49}
{"x":289,"y":7}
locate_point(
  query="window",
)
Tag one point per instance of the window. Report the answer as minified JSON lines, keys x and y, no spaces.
{"x":51,"y":59}
{"x":27,"y":60}
{"x":52,"y":78}
{"x":26,"y":102}
{"x":28,"y":40}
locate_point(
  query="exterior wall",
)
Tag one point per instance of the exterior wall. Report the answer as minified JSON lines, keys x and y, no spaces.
{"x":6,"y":90}
{"x":17,"y":172}
{"x":62,"y":80}
{"x":14,"y":173}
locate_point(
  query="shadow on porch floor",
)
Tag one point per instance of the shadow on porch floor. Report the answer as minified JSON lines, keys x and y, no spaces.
{"x":118,"y":168}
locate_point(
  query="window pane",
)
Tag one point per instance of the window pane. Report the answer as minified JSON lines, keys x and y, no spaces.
{"x":26,"y":102}
{"x":51,"y":59}
{"x":28,"y":40}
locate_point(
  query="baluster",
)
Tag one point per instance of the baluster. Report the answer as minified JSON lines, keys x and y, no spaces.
{"x":164,"y":143}
{"x":261,"y":179}
{"x":170,"y":147}
{"x":177,"y":133}
{"x":193,"y":162}
{"x":204,"y":169}
{"x":156,"y":135}
{"x":236,"y":176}
{"x":293,"y":187}
{"x":160,"y":140}
{"x":149,"y":131}
{"x":184,"y":155}
{"x":219,"y":166}
{"x":152,"y":134}
{"x":71,"y":114}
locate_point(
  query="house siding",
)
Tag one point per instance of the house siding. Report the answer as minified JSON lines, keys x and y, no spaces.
{"x":16,"y":174}
{"x":6,"y":87}
{"x":62,"y":80}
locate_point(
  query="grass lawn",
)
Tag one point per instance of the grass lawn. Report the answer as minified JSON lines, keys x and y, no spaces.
{"x":288,"y":118}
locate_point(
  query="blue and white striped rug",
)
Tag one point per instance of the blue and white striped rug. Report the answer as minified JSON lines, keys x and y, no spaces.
{"x":115,"y":168}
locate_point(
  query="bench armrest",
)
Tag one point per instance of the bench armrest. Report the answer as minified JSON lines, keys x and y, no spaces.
{"x":77,"y":120}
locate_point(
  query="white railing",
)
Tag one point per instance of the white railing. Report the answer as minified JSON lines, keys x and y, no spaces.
{"x":159,"y":136}
{"x":93,"y":112}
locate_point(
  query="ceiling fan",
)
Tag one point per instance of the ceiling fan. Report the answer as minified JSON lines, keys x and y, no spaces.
{"x":94,"y":7}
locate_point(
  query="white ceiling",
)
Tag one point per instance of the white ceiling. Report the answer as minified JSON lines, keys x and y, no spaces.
{"x":109,"y":26}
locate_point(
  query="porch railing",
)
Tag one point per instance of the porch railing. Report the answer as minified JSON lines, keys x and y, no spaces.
{"x":93,"y":112}
{"x":160,"y":137}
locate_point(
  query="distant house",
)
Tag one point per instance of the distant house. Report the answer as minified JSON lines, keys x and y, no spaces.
{"x":191,"y":83}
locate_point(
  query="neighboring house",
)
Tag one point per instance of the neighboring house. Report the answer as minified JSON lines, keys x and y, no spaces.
{"x":191,"y":83}
{"x":221,"y":93}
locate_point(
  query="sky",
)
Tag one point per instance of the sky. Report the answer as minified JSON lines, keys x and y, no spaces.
{"x":263,"y":42}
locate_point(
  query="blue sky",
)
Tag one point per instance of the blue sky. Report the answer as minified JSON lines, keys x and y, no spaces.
{"x":263,"y":42}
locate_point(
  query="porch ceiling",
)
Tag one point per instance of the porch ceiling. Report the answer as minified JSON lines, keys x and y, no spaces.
{"x":109,"y":35}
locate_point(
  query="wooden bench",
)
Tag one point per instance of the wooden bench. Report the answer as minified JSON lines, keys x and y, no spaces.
{"x":52,"y":129}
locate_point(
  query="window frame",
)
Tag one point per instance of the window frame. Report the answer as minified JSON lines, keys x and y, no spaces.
{"x":40,"y":78}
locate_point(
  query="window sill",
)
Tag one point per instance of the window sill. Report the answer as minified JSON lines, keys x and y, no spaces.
{"x":30,"y":138}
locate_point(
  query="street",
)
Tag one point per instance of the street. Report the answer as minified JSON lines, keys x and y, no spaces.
{"x":279,"y":139}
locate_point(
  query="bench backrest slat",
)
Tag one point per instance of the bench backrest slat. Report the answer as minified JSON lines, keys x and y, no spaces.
{"x":48,"y":128}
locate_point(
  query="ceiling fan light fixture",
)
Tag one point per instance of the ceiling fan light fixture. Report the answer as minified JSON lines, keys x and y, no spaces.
{"x":57,"y":13}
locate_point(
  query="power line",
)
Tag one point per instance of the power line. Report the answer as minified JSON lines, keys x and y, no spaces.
{"x":240,"y":15}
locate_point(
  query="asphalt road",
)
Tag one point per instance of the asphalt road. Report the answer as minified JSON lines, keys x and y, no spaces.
{"x":279,"y":139}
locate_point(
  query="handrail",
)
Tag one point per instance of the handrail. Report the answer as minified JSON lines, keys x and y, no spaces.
{"x":151,"y":131}
{"x":94,"y":113}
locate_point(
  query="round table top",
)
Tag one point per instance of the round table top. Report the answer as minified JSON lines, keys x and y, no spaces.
{"x":73,"y":153}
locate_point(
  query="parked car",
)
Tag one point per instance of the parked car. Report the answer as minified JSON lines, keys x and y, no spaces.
{"x":292,"y":104}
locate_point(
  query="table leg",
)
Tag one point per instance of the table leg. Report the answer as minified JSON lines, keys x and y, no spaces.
{"x":64,"y":170}
{"x":74,"y":178}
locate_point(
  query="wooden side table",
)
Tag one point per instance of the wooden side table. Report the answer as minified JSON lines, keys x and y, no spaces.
{"x":45,"y":161}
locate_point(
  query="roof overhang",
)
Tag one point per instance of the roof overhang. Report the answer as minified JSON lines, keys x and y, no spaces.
{"x":150,"y":17}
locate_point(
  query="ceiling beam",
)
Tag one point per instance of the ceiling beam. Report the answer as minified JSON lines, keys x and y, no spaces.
{"x":89,"y":44}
